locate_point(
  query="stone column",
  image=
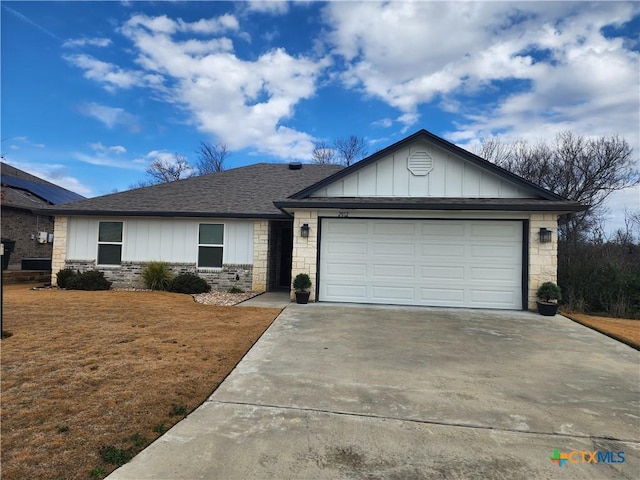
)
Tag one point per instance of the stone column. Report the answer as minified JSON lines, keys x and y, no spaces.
{"x":59,"y":254}
{"x":543,"y":257}
{"x":260,"y":254}
{"x":305,"y":250}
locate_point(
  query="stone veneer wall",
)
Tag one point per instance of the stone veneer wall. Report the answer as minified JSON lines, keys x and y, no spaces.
{"x":543,"y":257}
{"x":59,"y":247}
{"x":260,"y":254}
{"x":305,"y":250}
{"x":129,"y":274}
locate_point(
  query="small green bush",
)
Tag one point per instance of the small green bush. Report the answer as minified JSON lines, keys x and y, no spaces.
{"x":89,"y":280}
{"x":189,"y":283}
{"x":115,"y":456}
{"x":549,"y":291}
{"x":235,"y":289}
{"x":64,"y":276}
{"x":302,"y":282}
{"x":157,"y":276}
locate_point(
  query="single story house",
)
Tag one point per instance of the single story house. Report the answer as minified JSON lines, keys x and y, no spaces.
{"x":421,"y":222}
{"x":27,"y":234}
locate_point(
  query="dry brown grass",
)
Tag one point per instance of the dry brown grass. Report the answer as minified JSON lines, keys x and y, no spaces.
{"x":83,"y":370}
{"x":622,"y":329}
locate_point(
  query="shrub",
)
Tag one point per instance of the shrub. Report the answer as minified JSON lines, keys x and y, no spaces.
{"x":302,"y":282}
{"x":64,"y":276}
{"x":235,"y":289}
{"x":157,"y":276}
{"x":90,"y":280}
{"x":549,"y":291}
{"x":189,"y":283}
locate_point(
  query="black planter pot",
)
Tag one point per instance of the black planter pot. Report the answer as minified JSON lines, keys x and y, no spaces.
{"x":547,"y":309}
{"x":302,"y":297}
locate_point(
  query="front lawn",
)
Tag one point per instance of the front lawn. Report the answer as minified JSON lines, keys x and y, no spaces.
{"x":90,"y":378}
{"x":622,"y":329}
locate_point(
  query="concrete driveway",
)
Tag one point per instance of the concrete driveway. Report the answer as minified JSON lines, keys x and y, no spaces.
{"x":368,"y":392}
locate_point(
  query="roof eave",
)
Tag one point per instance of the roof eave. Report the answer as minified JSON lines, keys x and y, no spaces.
{"x":509,"y":207}
{"x":134,"y":213}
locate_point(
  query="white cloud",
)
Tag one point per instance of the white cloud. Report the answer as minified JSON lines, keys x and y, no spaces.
{"x":111,"y":76}
{"x":567,"y":74}
{"x":109,"y":116}
{"x":56,"y":174}
{"x":104,"y":159}
{"x":99,"y":147}
{"x":221,"y":91}
{"x":278,"y":7}
{"x":84,"y":42}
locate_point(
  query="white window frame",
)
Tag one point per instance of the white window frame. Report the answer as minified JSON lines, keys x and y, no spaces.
{"x":221,"y":245}
{"x":121,"y":243}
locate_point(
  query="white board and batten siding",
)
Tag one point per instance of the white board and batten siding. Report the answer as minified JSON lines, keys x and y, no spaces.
{"x":157,"y":239}
{"x":436,"y":173}
{"x":447,"y":263}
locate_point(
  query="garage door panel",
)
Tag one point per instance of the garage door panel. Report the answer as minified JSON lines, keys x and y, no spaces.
{"x":442,"y":229}
{"x":495,"y":274}
{"x":347,"y":248}
{"x":440,"y":273}
{"x":394,"y":249}
{"x":347,"y":292}
{"x":385,"y":294}
{"x":504,"y":252}
{"x":380,"y":272}
{"x":349,"y":229}
{"x":447,"y":297}
{"x":491,"y":297}
{"x":394,"y":229}
{"x":465,"y":263}
{"x":441,"y":250}
{"x":347,"y":269}
{"x":496,"y":231}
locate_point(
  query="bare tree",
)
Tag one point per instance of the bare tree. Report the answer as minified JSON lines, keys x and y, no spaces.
{"x":323,"y":153}
{"x":163,"y":170}
{"x":343,"y":151}
{"x":350,"y":149}
{"x":582,"y":169}
{"x":211,"y":157}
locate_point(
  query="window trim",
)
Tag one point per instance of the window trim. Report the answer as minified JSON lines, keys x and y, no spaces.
{"x":121,"y":243}
{"x":220,"y":245}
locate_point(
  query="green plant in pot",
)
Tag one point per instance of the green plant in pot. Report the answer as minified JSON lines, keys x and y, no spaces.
{"x":302,"y":284}
{"x":549,"y":295}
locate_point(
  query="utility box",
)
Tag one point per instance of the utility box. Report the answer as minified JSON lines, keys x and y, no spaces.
{"x":42,"y":237}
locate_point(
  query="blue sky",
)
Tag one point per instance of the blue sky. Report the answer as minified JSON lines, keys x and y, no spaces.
{"x":92,"y":92}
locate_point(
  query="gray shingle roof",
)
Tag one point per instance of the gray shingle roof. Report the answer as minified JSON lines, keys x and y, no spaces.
{"x":247,"y":192}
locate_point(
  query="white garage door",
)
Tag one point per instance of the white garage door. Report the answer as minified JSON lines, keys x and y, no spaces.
{"x":451,"y":263}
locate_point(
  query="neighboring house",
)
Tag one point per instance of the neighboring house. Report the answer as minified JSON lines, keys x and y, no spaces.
{"x":28,"y":236}
{"x":422,"y":222}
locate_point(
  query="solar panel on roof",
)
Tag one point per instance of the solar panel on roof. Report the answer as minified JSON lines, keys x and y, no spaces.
{"x":50,"y":193}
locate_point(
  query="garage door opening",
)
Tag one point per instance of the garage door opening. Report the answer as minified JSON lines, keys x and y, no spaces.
{"x":445,"y":263}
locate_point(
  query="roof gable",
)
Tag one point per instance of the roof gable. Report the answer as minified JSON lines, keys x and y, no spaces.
{"x":424,"y":165}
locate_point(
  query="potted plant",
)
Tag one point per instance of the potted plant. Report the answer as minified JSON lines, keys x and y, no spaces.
{"x":301,"y":285}
{"x":548,"y":296}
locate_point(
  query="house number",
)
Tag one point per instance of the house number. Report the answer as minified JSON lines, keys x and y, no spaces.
{"x":343,"y":214}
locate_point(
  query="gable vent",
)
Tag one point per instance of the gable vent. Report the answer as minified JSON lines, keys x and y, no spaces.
{"x":420,"y":163}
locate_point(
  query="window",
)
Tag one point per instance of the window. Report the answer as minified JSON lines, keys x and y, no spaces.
{"x":210,"y":245}
{"x":109,"y":243}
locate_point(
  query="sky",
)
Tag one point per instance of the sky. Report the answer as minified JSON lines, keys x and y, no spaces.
{"x":93,"y":92}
